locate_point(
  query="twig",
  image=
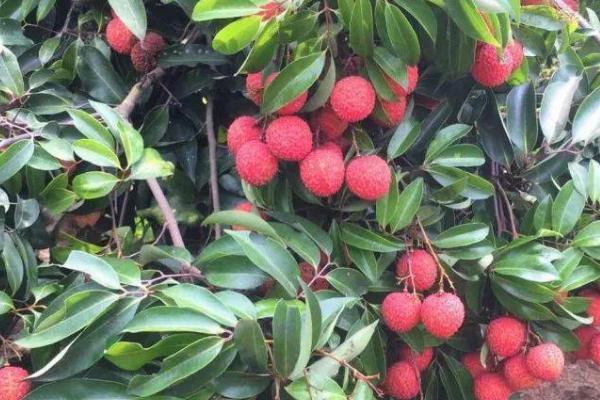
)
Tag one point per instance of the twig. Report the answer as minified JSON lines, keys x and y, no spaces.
{"x":14,"y":139}
{"x":511,"y":215}
{"x":128,"y":104}
{"x":67,"y":18}
{"x":582,"y":21}
{"x":356,"y":373}
{"x":212,"y":159}
{"x":431,"y":250}
{"x":115,"y":235}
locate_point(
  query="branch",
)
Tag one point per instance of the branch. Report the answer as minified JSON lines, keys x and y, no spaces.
{"x":14,"y":139}
{"x":212,"y":159}
{"x":580,"y":19}
{"x":511,"y":214}
{"x":128,"y":104}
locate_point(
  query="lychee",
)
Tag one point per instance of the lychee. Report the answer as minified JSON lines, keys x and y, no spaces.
{"x":401,"y":311}
{"x":254,"y":87}
{"x":593,"y":309}
{"x":572,"y":4}
{"x":330,"y":124}
{"x":516,"y":52}
{"x":517,"y":374}
{"x":246,"y":206}
{"x":585,"y":335}
{"x":119,"y":37}
{"x":442,"y":314}
{"x":491,"y":386}
{"x":420,"y":360}
{"x":402,"y":381}
{"x":270,"y":10}
{"x":289,"y":138}
{"x":353,"y":98}
{"x":423,"y":267}
{"x":368,"y":177}
{"x":307,"y":273}
{"x":594,"y":349}
{"x":322,"y":170}
{"x":472,"y":362}
{"x":412,"y":78}
{"x":506,"y":336}
{"x":255,"y":163}
{"x":546,"y":361}
{"x":389,"y":113}
{"x":490,"y":69}
{"x":242,"y":130}
{"x":293,"y":106}
{"x":143,"y":53}
{"x":12,"y":383}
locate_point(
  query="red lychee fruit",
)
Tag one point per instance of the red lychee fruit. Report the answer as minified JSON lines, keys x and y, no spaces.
{"x":293,"y":106}
{"x":423,"y":267}
{"x":489,"y":69}
{"x":353,"y":98}
{"x":572,"y":4}
{"x":506,"y":336}
{"x":330,"y":124}
{"x":516,"y":52}
{"x":307,"y":273}
{"x":368,"y":177}
{"x":254,"y":87}
{"x":322,"y":170}
{"x":333,"y":146}
{"x":289,"y":138}
{"x":242,"y":130}
{"x":420,"y":360}
{"x":546,"y":361}
{"x":594,"y":349}
{"x":255,"y":163}
{"x":143,"y":54}
{"x":246,"y":206}
{"x":585,"y":335}
{"x":389,"y":113}
{"x":402,"y":381}
{"x":119,"y":37}
{"x":442,"y":314}
{"x":517,"y":375}
{"x":472,"y":362}
{"x":491,"y":386}
{"x":12,"y":383}
{"x":593,"y":309}
{"x":401,"y":311}
{"x":412,"y":78}
{"x":270,"y":10}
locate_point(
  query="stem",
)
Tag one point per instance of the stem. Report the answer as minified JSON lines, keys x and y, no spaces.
{"x":511,"y":215}
{"x":14,"y":139}
{"x":212,"y":159}
{"x":435,"y":257}
{"x":167,"y":211}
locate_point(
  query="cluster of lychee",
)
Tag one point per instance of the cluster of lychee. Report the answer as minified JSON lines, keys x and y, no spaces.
{"x":589,"y":336}
{"x":143,"y":53}
{"x":515,"y":366}
{"x":441,"y":313}
{"x":13,"y":385}
{"x":318,"y":147}
{"x":492,"y":69}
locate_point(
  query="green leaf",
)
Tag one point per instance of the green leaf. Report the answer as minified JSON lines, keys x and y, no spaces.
{"x":299,"y":242}
{"x":13,"y":263}
{"x":95,"y":267}
{"x":132,"y":141}
{"x":567,"y":208}
{"x":81,"y":389}
{"x":444,"y":138}
{"x":586,"y":126}
{"x":319,"y":99}
{"x":423,"y":14}
{"x":296,"y":78}
{"x":155,"y":125}
{"x":133,"y":15}
{"x":588,"y":236}
{"x":11,"y":33}
{"x":556,"y":103}
{"x":241,"y":305}
{"x":250,"y":342}
{"x":206,"y":10}
{"x":94,"y":184}
{"x":533,"y":268}
{"x":361,"y":28}
{"x":404,"y":137}
{"x":521,"y":118}
{"x":14,"y":158}
{"x":48,"y":48}
{"x":477,"y":188}
{"x":43,"y":9}
{"x":316,"y":388}
{"x":318,"y":235}
{"x":151,"y":165}
{"x":593,"y":185}
{"x":11,"y":78}
{"x":248,"y":220}
{"x":91,"y":128}
{"x":263,"y":49}
{"x":348,"y":281}
{"x":173,"y":319}
{"x":27,"y":212}
{"x":365,"y":261}
{"x":286,"y":337}
{"x":460,"y":155}
{"x":96,"y":153}
{"x":6,"y":303}
{"x":409,"y":202}
{"x":522,"y":309}
{"x":237,"y":35}
{"x":402,"y":36}
{"x":190,"y":55}
{"x":470,"y":21}
{"x":461,"y":235}
{"x":98,"y":76}
{"x":365,"y":239}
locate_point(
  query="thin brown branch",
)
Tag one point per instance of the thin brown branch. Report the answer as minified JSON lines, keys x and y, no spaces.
{"x":212,"y":159}
{"x":431,"y":250}
{"x":511,"y":215}
{"x":14,"y":139}
{"x":128,"y":104}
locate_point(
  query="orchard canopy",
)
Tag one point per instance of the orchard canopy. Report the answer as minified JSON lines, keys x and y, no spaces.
{"x":297,"y":199}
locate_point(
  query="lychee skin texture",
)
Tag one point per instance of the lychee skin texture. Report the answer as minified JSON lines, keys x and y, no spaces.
{"x":472,"y":362}
{"x":517,"y":375}
{"x":594,"y":349}
{"x":401,"y":311}
{"x":255,"y":163}
{"x":119,"y":37}
{"x":593,"y":309}
{"x":585,"y":335}
{"x":289,"y":138}
{"x":390,"y":113}
{"x":143,"y":54}
{"x":293,"y":106}
{"x":546,"y":361}
{"x":516,"y":53}
{"x":442,"y":314}
{"x":402,"y":381}
{"x":322,"y":171}
{"x":353,"y":98}
{"x":307,"y":273}
{"x":368,"y":177}
{"x":491,"y":386}
{"x":420,"y":360}
{"x":254,"y":87}
{"x":506,"y":336}
{"x":12,"y":385}
{"x":242,"y":130}
{"x":412,"y":78}
{"x":488,"y":69}
{"x":423,"y":267}
{"x":330,"y":124}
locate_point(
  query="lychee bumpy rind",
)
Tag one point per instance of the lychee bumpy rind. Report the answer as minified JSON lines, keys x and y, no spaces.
{"x":412,"y":78}
{"x":442,"y":314}
{"x":423,"y":267}
{"x":546,"y":361}
{"x":517,"y":374}
{"x":584,"y":335}
{"x":489,"y":69}
{"x":420,"y":360}
{"x":255,"y":163}
{"x":289,"y":138}
{"x":390,"y":113}
{"x":491,"y":386}
{"x":368,"y":177}
{"x":353,"y":98}
{"x":254,"y":87}
{"x":472,"y":362}
{"x":322,"y":171}
{"x":594,"y":349}
{"x":242,"y":130}
{"x":293,"y":106}
{"x":330,"y":125}
{"x":506,"y":336}
{"x":402,"y":381}
{"x":143,"y":54}
{"x":516,"y":52}
{"x":12,"y":383}
{"x":401,"y":311}
{"x":119,"y":37}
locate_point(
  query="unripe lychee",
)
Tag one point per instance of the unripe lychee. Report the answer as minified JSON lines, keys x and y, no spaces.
{"x":401,"y":311}
{"x":516,"y":52}
{"x":143,"y":54}
{"x":119,"y":37}
{"x":412,"y":78}
{"x":489,"y":69}
{"x":423,"y":267}
{"x":402,"y":381}
{"x":472,"y":362}
{"x":12,"y":383}
{"x":289,"y":138}
{"x":389,"y":113}
{"x":585,"y":335}
{"x":420,"y":360}
{"x":368,"y":177}
{"x":242,"y":130}
{"x":353,"y":98}
{"x":330,"y":124}
{"x":506,"y":336}
{"x":254,"y":87}
{"x":593,"y":309}
{"x":307,"y":273}
{"x":546,"y":361}
{"x":293,"y":106}
{"x":322,"y":170}
{"x":491,"y":386}
{"x":442,"y":314}
{"x":594,"y":349}
{"x":517,"y":374}
{"x":255,"y":163}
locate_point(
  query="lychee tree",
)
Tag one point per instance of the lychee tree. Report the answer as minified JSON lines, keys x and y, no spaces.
{"x":297,"y":199}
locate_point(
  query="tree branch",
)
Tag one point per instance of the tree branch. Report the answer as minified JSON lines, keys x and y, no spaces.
{"x":212,"y":159}
{"x":14,"y":139}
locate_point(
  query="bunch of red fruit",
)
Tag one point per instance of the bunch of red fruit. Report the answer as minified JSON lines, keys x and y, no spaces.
{"x":589,"y":336}
{"x":492,"y":69}
{"x":143,"y":53}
